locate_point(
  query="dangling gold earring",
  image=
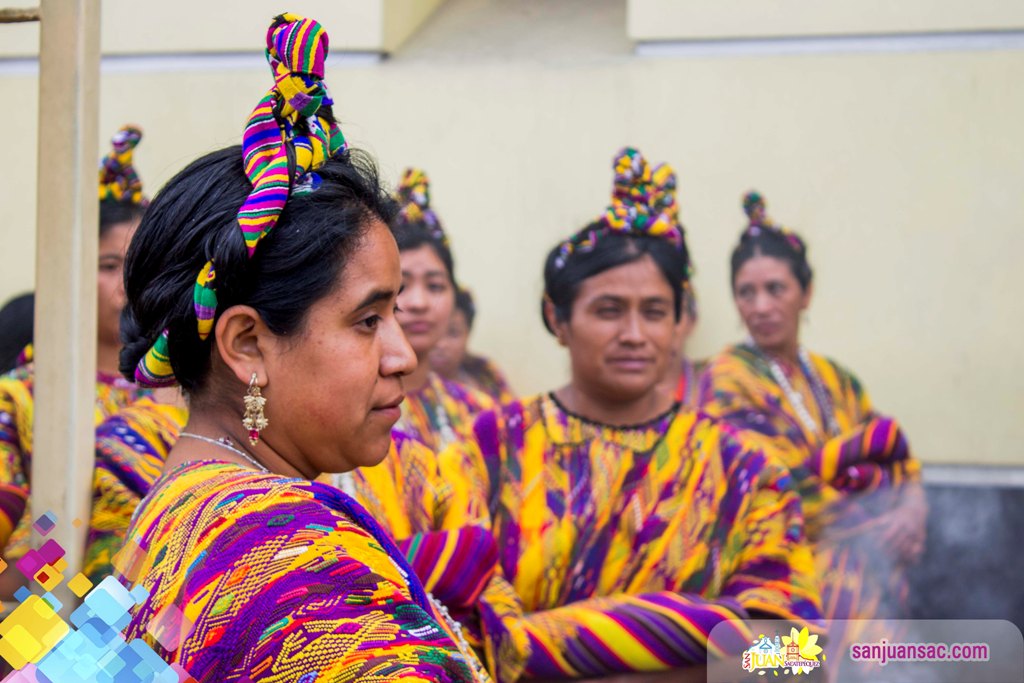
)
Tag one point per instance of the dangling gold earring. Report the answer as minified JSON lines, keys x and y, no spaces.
{"x":254,"y":420}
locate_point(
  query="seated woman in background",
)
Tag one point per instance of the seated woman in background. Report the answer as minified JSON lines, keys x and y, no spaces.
{"x":860,"y":487}
{"x":264,"y":280}
{"x":437,"y":411}
{"x":630,"y":525}
{"x":122,"y":205}
{"x":451,"y":358}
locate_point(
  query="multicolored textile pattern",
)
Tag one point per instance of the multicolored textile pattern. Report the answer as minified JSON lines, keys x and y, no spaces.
{"x":435,"y":506}
{"x":442,"y":412}
{"x":687,"y":392}
{"x":637,"y":207}
{"x":846,"y":481}
{"x":119,"y":181}
{"x":290,"y":133}
{"x":414,"y":199}
{"x":17,"y":407}
{"x":481,"y":373}
{"x":628,"y":545}
{"x":131,"y":447}
{"x":254,"y":577}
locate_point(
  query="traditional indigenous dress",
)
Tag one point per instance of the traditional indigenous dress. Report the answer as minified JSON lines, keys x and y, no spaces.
{"x":628,"y":545}
{"x":482,"y":374}
{"x":16,"y":413}
{"x":850,"y":465}
{"x":687,"y":391}
{"x":268,"y":579}
{"x":442,"y":412}
{"x":131,"y":447}
{"x":435,"y":506}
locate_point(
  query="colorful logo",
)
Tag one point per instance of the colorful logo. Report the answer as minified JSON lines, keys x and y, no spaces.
{"x":795,"y":654}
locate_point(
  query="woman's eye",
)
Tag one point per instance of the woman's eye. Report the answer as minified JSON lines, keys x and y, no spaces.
{"x":372,"y":321}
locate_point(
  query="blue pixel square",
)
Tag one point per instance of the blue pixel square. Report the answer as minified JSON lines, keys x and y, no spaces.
{"x":52,"y":601}
{"x":21,"y":595}
{"x":110,"y":601}
{"x":139,"y":594}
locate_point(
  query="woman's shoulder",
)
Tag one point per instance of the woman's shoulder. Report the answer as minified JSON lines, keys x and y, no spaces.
{"x":695,"y":431}
{"x":474,"y":399}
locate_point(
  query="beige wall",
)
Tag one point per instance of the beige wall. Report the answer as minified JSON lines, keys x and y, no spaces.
{"x":202,"y":26}
{"x":903,"y":171}
{"x":700,"y":19}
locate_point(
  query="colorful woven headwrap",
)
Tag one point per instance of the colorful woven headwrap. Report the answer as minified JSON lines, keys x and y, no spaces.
{"x":118,"y":180}
{"x":758,"y":222}
{"x":414,"y":198}
{"x":639,"y":206}
{"x":289,"y":134}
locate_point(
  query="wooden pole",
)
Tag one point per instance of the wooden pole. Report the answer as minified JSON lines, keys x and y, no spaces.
{"x":18,"y":15}
{"x":66,"y":266}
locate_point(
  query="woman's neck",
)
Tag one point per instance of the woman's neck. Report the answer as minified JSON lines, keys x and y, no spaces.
{"x":216,"y":428}
{"x":108,"y":358}
{"x":788,"y":353}
{"x":418,"y":378}
{"x":611,"y":412}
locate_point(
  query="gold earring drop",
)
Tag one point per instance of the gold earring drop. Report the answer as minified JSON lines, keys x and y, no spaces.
{"x":254,"y":420}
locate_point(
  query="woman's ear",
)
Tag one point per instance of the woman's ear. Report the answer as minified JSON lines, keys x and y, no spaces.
{"x":805,"y":299}
{"x":560,"y":328}
{"x":242,"y":339}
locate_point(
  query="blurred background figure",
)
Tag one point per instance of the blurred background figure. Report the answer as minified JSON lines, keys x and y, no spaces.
{"x":436,"y":411}
{"x":121,"y":207}
{"x":630,"y":525}
{"x":451,"y":358}
{"x":17,"y":320}
{"x":860,"y":484}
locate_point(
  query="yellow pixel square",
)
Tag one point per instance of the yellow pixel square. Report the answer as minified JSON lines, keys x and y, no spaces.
{"x":60,"y":565}
{"x":48,"y":577}
{"x":80,"y":584}
{"x":18,"y":646}
{"x":3,"y":565}
{"x":30,"y":632}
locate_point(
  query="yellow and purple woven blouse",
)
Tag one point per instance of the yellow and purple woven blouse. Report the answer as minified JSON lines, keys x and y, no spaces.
{"x":435,"y":507}
{"x":442,"y":412}
{"x":628,"y":545}
{"x":131,"y":448}
{"x":17,"y":407}
{"x":481,"y":373}
{"x":258,"y":578}
{"x":845,"y":479}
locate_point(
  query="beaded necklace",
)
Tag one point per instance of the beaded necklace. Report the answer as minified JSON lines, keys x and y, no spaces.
{"x":795,"y":398}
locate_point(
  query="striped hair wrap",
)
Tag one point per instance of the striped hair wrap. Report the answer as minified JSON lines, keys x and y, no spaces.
{"x":758,"y":222}
{"x":640,"y":206}
{"x":290,"y":134}
{"x":118,"y":180}
{"x":414,"y":198}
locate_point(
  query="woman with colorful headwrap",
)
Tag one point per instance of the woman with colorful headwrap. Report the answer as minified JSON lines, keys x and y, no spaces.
{"x":859,"y":484}
{"x":121,"y":207}
{"x":630,"y":525}
{"x":451,"y":358}
{"x":264,"y":281}
{"x":437,"y":411}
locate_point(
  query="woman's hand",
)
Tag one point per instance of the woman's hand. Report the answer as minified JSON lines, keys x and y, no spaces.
{"x":903,"y":528}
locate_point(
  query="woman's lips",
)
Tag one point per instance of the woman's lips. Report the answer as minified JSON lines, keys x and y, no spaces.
{"x":631,"y":364}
